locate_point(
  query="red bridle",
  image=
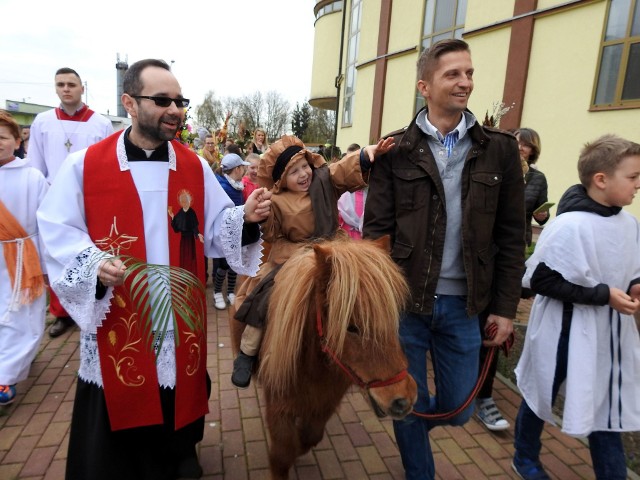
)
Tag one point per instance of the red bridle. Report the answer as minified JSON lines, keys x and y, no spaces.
{"x":398,"y":377}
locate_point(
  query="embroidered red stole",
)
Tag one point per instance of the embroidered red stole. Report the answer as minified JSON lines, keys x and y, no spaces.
{"x":115,"y":222}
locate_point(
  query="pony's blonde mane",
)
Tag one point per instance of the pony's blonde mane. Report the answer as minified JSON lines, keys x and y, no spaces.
{"x":364,"y":288}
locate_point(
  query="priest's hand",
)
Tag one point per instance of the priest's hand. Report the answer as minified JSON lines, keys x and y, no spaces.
{"x":258,"y":205}
{"x":111,"y":272}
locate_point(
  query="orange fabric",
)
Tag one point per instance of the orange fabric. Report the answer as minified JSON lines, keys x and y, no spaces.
{"x":32,"y":284}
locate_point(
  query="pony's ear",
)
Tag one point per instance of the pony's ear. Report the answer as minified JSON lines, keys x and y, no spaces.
{"x":383,"y":243}
{"x":323,"y":261}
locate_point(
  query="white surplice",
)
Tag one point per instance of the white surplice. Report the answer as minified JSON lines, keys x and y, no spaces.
{"x":72,"y":257}
{"x":47,"y":149}
{"x":602,"y":389}
{"x":22,"y":189}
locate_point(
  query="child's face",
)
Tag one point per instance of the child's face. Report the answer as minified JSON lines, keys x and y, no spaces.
{"x":622,"y":185}
{"x":8,"y":143}
{"x":252,"y":171}
{"x":299,"y":176}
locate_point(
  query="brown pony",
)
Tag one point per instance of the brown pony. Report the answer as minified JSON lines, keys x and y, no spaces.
{"x":332,"y":322}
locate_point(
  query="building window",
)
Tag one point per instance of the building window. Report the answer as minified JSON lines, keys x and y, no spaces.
{"x":618,"y":80}
{"x":442,"y":19}
{"x":352,"y":56}
{"x":330,"y":8}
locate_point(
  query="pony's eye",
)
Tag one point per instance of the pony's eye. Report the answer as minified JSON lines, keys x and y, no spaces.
{"x":353,"y":329}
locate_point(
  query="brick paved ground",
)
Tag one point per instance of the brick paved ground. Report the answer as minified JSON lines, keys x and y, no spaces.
{"x":34,"y":430}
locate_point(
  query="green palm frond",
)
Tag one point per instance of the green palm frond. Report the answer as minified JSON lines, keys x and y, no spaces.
{"x":159,"y":294}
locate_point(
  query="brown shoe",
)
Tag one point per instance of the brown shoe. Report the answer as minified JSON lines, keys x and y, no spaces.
{"x":61,"y":325}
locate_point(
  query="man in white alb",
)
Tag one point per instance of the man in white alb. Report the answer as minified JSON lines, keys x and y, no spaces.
{"x":55,"y":134}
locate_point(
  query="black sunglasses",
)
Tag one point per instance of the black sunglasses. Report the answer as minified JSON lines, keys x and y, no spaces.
{"x":165,"y":101}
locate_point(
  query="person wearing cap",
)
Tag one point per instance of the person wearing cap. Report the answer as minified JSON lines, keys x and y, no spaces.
{"x":305,"y":191}
{"x":233,"y":169}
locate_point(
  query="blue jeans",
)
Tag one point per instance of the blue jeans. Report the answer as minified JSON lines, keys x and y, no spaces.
{"x":454,"y":341}
{"x":607,"y":451}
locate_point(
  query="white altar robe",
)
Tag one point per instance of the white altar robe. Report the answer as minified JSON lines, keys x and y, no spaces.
{"x":48,"y":136}
{"x":72,"y":257}
{"x":22,"y":189}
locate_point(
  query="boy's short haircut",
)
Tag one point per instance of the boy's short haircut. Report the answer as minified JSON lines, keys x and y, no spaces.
{"x":603,"y":156}
{"x":6,"y":120}
{"x":252,"y":156}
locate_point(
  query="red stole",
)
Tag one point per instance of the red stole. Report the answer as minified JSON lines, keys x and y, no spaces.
{"x":115,"y":223}
{"x":82,"y":115}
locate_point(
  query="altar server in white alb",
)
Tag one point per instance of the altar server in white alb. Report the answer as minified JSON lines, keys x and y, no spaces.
{"x":582,"y":340}
{"x":22,"y":283}
{"x":55,"y":134}
{"x":138,"y":415}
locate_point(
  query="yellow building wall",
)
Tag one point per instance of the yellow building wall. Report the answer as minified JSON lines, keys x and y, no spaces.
{"x":562,"y":73}
{"x":481,"y":13}
{"x":489,"y":52}
{"x":326,"y":54}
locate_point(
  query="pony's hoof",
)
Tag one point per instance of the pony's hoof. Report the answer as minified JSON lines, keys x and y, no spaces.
{"x":242,"y":368}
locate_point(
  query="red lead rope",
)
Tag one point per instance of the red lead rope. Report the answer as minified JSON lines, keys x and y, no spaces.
{"x":490,"y":331}
{"x":398,"y":377}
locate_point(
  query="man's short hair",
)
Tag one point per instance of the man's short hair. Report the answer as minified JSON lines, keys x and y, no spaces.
{"x":131,"y":83}
{"x":65,"y":70}
{"x":353,"y":147}
{"x":603,"y":155}
{"x":428,"y":61}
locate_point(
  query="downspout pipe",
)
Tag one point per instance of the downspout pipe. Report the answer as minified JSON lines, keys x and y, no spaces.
{"x":339,"y":77}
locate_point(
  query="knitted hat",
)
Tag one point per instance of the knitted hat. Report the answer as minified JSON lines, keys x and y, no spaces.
{"x":275,"y":162}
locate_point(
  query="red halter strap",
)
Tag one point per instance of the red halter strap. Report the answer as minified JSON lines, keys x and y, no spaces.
{"x":355,"y":378}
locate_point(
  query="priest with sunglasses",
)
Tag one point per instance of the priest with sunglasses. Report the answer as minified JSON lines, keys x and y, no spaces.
{"x":139,"y":409}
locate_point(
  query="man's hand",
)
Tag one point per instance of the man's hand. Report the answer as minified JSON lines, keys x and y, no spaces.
{"x":111,"y":272}
{"x":505,"y":328}
{"x":258,"y":205}
{"x":541,"y":216}
{"x":382,"y":147}
{"x":622,"y":302}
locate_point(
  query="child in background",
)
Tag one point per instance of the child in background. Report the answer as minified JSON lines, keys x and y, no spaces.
{"x":303,"y":208}
{"x":233,"y":168}
{"x":582,"y":338}
{"x":250,"y":180}
{"x":22,"y":282}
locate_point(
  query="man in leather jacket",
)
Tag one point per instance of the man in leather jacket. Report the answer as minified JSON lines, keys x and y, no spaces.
{"x":451,"y":196}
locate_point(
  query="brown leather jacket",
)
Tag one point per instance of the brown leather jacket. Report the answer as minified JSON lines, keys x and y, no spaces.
{"x":405,"y":202}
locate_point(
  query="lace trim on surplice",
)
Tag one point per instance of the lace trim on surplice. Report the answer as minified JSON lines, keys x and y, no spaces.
{"x":243,"y":260}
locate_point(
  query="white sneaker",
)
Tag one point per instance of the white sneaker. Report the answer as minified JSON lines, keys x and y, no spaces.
{"x":489,"y":414}
{"x":232,"y":298}
{"x":218,"y":301}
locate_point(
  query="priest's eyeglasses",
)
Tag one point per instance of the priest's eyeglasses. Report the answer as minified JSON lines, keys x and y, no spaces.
{"x":165,"y":101}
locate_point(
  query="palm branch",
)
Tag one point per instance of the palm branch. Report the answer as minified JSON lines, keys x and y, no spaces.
{"x":159,"y":294}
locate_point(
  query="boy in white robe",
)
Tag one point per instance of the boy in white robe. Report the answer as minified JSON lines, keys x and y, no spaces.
{"x":22,"y":292}
{"x":581,"y":338}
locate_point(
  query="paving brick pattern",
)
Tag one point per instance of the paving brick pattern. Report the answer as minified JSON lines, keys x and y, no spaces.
{"x":34,"y":431}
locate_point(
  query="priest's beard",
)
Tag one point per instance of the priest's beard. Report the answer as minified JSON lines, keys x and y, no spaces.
{"x":159,"y":131}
